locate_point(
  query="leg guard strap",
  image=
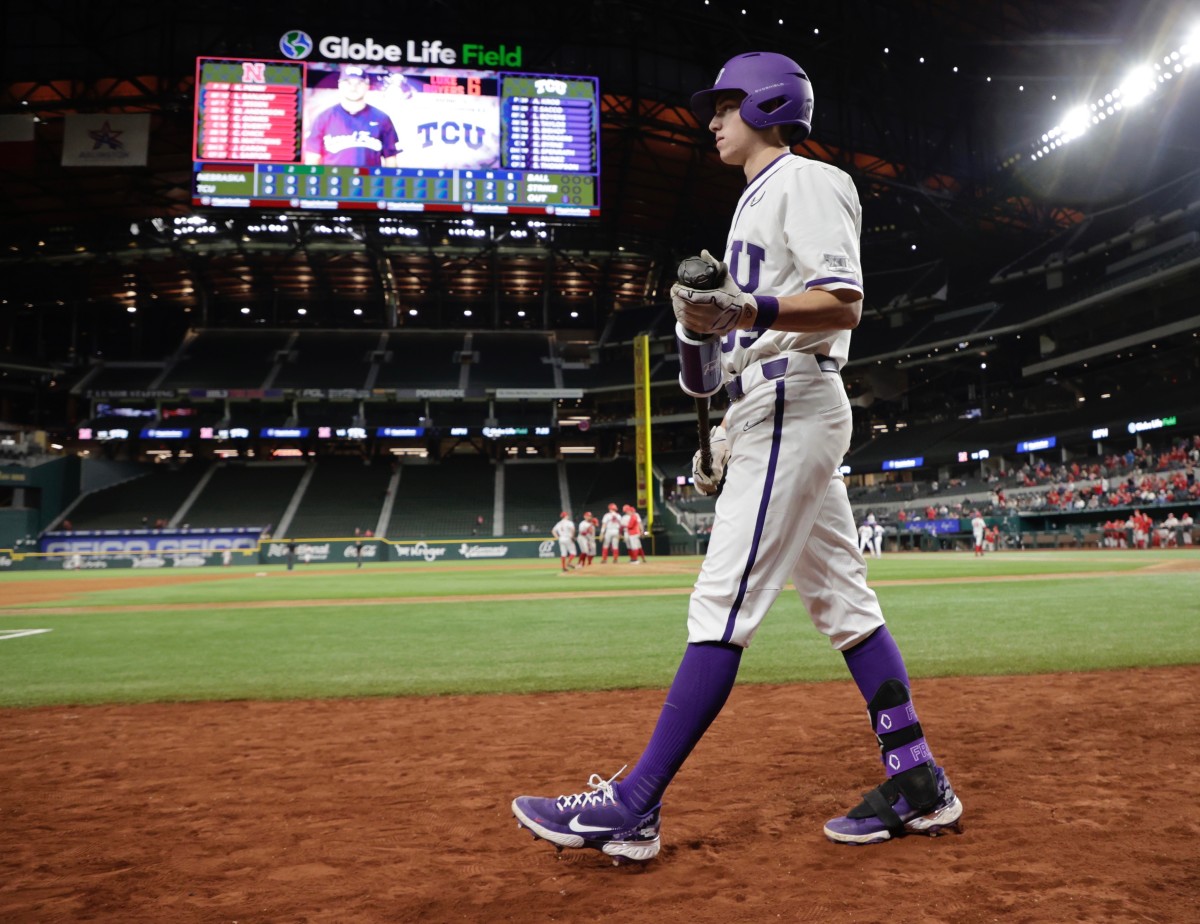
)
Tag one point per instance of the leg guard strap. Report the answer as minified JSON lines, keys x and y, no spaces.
{"x":878,"y":804}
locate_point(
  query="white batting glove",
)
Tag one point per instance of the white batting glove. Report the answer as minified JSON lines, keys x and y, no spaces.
{"x":713,"y":311}
{"x":708,"y":484}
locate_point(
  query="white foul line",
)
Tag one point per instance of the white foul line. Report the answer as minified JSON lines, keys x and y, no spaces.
{"x":19,"y":633}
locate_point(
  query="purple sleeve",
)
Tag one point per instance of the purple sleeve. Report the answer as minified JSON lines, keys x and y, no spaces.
{"x":389,"y":138}
{"x":314,"y":141}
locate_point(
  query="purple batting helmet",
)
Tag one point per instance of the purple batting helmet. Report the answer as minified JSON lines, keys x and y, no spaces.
{"x":777,"y":91}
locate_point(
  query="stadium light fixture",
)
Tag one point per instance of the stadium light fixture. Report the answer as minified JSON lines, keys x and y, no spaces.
{"x":1136,"y":86}
{"x":1191,"y":44}
{"x":1074,"y":124}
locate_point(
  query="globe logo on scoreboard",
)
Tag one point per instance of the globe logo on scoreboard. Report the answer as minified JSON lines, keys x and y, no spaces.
{"x":296,"y":44}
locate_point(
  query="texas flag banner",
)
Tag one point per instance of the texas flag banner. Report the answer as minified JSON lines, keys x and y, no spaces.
{"x":16,"y":141}
{"x":106,"y":139}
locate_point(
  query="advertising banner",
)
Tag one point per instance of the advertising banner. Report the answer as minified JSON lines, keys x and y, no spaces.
{"x":136,"y":542}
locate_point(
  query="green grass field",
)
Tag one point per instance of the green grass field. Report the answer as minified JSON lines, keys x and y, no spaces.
{"x":217,"y":640}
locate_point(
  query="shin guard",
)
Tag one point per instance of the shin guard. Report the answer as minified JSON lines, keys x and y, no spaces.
{"x":905,"y":754}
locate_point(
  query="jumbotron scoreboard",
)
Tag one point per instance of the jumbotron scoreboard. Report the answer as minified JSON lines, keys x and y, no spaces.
{"x":312,"y":135}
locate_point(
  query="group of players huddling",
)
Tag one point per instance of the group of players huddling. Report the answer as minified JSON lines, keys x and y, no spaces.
{"x":577,"y":544}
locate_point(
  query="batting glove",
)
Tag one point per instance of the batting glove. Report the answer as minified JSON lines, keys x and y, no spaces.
{"x":713,"y":311}
{"x":709,"y":484}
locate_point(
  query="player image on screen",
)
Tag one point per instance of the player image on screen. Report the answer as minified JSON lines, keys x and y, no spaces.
{"x":352,"y":132}
{"x":438,"y":118}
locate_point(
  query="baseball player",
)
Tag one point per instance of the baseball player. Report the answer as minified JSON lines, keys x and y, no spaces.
{"x":978,"y":525}
{"x":780,"y":327}
{"x":631,"y":528}
{"x":564,"y":532}
{"x":587,"y":539}
{"x":1185,"y":529}
{"x":610,"y":535}
{"x":352,"y":133}
{"x":866,"y":536}
{"x":877,"y":540}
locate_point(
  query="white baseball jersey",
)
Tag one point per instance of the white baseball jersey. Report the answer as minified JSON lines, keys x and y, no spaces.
{"x":977,"y":527}
{"x":564,"y":531}
{"x":587,"y":537}
{"x":784,"y":514}
{"x":796,"y":228}
{"x":611,"y":524}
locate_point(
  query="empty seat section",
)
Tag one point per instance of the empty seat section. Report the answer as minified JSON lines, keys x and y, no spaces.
{"x":124,"y":378}
{"x":444,"y":500}
{"x":344,"y":494}
{"x":532,"y":501}
{"x":511,"y":360}
{"x":329,"y":359}
{"x":227,"y":359}
{"x":140,"y":503}
{"x":595,"y":485}
{"x":416,"y":359}
{"x":252,"y":494}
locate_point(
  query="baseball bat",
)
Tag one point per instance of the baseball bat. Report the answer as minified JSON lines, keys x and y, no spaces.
{"x":698,"y":273}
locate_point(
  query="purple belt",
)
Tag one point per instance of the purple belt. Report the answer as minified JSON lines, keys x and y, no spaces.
{"x":775,"y":369}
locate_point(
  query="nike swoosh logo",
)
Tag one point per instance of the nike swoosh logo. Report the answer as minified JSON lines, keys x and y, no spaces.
{"x":755,"y":424}
{"x":580,"y":828}
{"x":757,"y":199}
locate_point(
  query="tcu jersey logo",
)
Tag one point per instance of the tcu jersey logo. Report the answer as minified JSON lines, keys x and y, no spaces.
{"x":745,"y":264}
{"x":745,"y":261}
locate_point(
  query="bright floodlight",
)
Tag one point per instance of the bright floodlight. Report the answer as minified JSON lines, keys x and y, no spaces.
{"x":1192,"y":42}
{"x":1076,"y":122}
{"x":1137,"y":85}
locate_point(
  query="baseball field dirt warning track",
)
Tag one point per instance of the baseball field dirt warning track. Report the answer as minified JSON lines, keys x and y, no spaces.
{"x":1079,"y":790}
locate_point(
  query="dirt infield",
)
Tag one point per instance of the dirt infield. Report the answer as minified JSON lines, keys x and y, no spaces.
{"x":1080,"y":796}
{"x":1079,"y":792}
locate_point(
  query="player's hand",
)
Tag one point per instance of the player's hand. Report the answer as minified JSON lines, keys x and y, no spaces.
{"x":713,"y":311}
{"x":719,"y":443}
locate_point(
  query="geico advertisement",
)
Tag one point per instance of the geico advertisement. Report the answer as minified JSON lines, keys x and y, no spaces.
{"x":162,"y":545}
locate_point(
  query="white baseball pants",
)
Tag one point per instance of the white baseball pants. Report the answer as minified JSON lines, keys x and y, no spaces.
{"x":784,"y":514}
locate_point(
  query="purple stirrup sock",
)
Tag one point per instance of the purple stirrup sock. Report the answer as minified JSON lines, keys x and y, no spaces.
{"x":698,"y":693}
{"x":875,"y":661}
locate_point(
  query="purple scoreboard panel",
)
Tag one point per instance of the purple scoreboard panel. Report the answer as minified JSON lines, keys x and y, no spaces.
{"x":299,"y":135}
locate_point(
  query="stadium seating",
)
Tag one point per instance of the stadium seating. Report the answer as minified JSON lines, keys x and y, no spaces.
{"x":511,"y":360}
{"x":246,"y":494}
{"x":595,"y":485}
{"x":532,"y":501}
{"x":421,"y":359}
{"x":226,"y":359}
{"x":329,"y":359}
{"x":140,"y":502}
{"x":343,"y":494}
{"x":114,"y":377}
{"x":444,"y":500}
